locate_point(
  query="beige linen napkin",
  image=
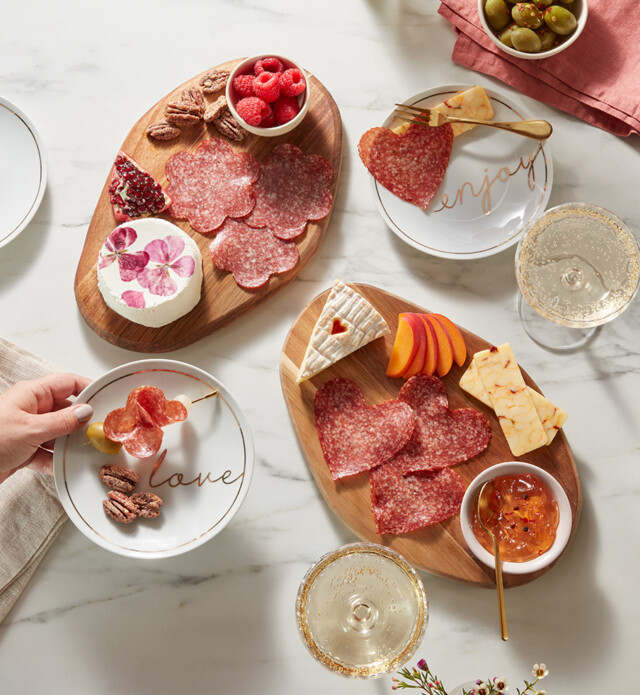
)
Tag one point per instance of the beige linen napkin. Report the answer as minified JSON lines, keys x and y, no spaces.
{"x":31,"y":515}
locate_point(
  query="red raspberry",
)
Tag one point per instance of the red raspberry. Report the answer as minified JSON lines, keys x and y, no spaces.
{"x":271,"y":64}
{"x":243,"y":84}
{"x":269,"y":122}
{"x":292,"y":83}
{"x":267,"y":86}
{"x":253,"y":110}
{"x":285,"y":109}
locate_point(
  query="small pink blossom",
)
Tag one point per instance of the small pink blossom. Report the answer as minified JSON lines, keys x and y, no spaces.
{"x":118,"y":243}
{"x":165,"y":253}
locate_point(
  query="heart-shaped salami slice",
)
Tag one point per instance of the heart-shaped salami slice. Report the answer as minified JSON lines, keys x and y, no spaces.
{"x":412,"y":165}
{"x":354,"y":436}
{"x":405,"y":503}
{"x":442,"y":437}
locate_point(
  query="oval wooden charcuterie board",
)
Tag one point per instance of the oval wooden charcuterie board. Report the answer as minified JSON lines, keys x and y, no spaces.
{"x":222,"y":300}
{"x":439,"y":549}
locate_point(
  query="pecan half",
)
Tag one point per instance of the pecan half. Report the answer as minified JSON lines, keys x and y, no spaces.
{"x":183,"y":112}
{"x":147,"y":504}
{"x":117,"y":478}
{"x":214,"y":80}
{"x":216,"y":109}
{"x":227,"y":125}
{"x":120,"y":507}
{"x":194,"y":95}
{"x":162,"y":130}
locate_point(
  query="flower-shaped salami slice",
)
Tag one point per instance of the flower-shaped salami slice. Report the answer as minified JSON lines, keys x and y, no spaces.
{"x":442,"y":437}
{"x":139,"y":424}
{"x":404,"y":503}
{"x":291,"y":189}
{"x":252,"y":255}
{"x":354,"y":436}
{"x":212,"y":184}
{"x":117,"y":249}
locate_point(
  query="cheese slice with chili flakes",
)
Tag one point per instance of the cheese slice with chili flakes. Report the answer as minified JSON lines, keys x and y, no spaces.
{"x":550,"y":415}
{"x":472,"y":103}
{"x":510,"y":399}
{"x":347,"y":322}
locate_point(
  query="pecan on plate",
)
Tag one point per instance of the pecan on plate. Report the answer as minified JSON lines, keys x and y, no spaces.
{"x":214,"y":80}
{"x":147,"y":504}
{"x":183,"y":112}
{"x":227,"y":125}
{"x":118,"y":478}
{"x":194,"y":95}
{"x":162,"y":130}
{"x":216,"y":109}
{"x":120,"y":507}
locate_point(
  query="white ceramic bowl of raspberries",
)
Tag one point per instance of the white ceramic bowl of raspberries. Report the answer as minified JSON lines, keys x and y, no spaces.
{"x":268,"y":94}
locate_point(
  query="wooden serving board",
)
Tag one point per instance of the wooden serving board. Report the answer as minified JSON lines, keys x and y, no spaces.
{"x":222,"y":300}
{"x":439,"y":549}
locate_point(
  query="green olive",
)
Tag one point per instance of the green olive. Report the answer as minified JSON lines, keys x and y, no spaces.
{"x":525,"y":40}
{"x":543,"y":3}
{"x":505,"y":36}
{"x":497,"y":13}
{"x":526,"y":14}
{"x":560,"y":20}
{"x":99,"y":440}
{"x":547,"y":38}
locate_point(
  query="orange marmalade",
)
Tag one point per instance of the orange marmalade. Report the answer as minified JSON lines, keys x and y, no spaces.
{"x":522,"y":514}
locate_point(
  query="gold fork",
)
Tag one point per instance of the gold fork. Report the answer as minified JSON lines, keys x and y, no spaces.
{"x":538,"y":130}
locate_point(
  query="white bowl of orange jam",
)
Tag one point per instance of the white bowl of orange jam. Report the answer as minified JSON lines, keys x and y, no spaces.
{"x":529,"y":512}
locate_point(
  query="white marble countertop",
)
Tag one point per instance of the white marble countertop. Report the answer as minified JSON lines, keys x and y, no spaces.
{"x":221,"y":618}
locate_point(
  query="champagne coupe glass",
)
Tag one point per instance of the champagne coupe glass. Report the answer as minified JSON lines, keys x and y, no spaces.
{"x":578,"y":267}
{"x":362,"y":610}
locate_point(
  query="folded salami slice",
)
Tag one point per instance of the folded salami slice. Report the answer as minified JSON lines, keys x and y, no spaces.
{"x":139,"y":424}
{"x":212,"y":184}
{"x":354,"y":436}
{"x":442,"y":437}
{"x":405,"y":503}
{"x":412,"y":165}
{"x":252,"y":255}
{"x":291,"y":189}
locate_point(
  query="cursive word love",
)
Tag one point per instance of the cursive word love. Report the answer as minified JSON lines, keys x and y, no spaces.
{"x":504,"y":174}
{"x":176,"y":479}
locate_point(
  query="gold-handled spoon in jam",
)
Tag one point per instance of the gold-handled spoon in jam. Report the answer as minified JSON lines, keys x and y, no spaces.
{"x":483,"y":504}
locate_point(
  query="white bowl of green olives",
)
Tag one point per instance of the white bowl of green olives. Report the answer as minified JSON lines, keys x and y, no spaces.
{"x":533,"y":30}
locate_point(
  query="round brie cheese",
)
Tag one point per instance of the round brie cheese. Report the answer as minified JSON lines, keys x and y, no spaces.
{"x":150,"y":272}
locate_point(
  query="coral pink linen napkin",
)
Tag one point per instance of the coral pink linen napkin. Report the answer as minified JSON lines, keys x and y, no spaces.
{"x":597,"y":78}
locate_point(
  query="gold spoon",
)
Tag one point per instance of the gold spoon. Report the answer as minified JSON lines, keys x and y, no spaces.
{"x":483,"y":503}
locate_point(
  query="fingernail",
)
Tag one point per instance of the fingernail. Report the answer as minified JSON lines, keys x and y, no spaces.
{"x":83,"y":412}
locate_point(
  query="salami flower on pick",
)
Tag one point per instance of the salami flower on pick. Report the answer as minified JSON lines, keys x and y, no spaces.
{"x":252,"y":255}
{"x":139,"y":424}
{"x":355,"y":436}
{"x":212,"y":184}
{"x":117,"y":249}
{"x":411,"y":165}
{"x":442,"y":437}
{"x":291,"y":189}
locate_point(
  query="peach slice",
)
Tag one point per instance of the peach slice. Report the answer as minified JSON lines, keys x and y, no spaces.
{"x":404,"y":348}
{"x":420,"y":337}
{"x":445,"y":347}
{"x":457,"y":341}
{"x":431,"y":357}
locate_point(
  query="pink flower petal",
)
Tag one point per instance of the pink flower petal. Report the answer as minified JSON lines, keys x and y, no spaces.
{"x":157,"y":281}
{"x":175,"y":246}
{"x":122,"y":238}
{"x":134,"y":299}
{"x":131,"y":264}
{"x":158,"y":251}
{"x":184,"y":267}
{"x":106,"y":260}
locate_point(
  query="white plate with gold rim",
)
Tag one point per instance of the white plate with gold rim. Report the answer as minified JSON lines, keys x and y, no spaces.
{"x":23,"y":179}
{"x":202,"y":480}
{"x":496,"y":183}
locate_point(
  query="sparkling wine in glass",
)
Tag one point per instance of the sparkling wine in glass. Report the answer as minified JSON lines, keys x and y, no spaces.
{"x":362,"y":610}
{"x":578,"y":267}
